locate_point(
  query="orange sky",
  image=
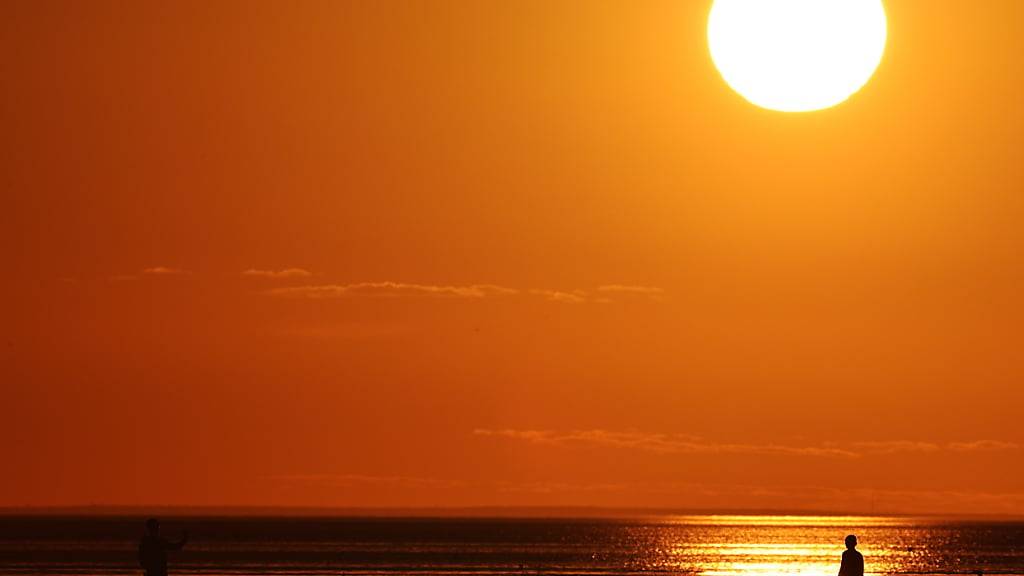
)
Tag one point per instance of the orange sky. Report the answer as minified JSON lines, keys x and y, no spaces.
{"x":546,"y":257}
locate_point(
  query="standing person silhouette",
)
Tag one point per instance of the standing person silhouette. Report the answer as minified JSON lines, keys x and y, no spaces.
{"x":853,"y":561}
{"x":153,"y":549}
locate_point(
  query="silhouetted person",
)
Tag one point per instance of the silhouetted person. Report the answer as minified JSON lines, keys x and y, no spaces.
{"x":853,"y":561}
{"x":153,"y":549}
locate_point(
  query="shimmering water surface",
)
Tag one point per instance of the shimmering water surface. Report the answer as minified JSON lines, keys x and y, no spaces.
{"x":709,"y":545}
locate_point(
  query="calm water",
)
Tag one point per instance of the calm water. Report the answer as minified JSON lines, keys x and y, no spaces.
{"x":710,"y":545}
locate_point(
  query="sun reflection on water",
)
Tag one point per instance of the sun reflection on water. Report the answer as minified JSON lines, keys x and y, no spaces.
{"x":808,"y":521}
{"x":802,"y":568}
{"x":780,"y":545}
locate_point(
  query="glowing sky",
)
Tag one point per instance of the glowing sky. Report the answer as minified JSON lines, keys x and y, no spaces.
{"x":447,"y":253}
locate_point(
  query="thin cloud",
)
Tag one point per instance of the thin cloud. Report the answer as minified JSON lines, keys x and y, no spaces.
{"x":390,"y":289}
{"x":154,"y":271}
{"x":684,"y":444}
{"x":905,"y":446}
{"x":660,"y":443}
{"x":278,"y":274}
{"x":630,"y":289}
{"x":897,"y":446}
{"x":573,"y":297}
{"x":603,"y":295}
{"x":982,"y":446}
{"x":164,"y":271}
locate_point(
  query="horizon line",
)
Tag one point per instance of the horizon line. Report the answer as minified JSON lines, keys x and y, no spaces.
{"x":481,"y":511}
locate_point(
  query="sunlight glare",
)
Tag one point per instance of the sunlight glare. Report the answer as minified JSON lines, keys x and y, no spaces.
{"x":797,"y":55}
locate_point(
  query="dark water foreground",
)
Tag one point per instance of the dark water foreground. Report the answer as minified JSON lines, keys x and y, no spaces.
{"x":713,"y":545}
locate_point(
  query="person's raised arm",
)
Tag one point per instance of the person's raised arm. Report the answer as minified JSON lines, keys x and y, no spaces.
{"x":180,"y":543}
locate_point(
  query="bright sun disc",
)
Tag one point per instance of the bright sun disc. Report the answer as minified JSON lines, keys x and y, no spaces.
{"x":796,"y":55}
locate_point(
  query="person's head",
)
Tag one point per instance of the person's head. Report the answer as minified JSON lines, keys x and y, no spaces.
{"x":153,"y":527}
{"x":851,"y":541}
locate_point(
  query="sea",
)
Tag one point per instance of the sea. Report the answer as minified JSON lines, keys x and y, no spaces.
{"x":698,"y":545}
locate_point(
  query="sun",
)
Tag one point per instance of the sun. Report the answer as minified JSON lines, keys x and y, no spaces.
{"x":797,"y":55}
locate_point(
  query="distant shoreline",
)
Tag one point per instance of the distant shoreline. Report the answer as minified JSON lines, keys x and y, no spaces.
{"x":536,"y":512}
